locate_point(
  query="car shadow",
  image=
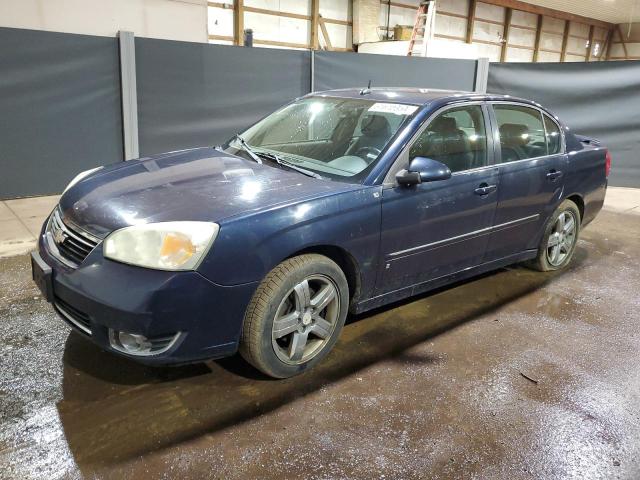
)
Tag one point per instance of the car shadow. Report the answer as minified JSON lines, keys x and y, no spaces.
{"x":114,"y":409}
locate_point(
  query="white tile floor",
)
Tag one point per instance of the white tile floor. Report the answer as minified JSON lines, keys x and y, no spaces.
{"x":21,"y":219}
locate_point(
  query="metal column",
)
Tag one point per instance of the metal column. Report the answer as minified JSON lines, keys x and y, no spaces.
{"x":129,"y":95}
{"x":482,"y":74}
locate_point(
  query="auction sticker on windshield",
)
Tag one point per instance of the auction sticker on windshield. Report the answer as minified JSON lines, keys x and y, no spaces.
{"x":397,"y":108}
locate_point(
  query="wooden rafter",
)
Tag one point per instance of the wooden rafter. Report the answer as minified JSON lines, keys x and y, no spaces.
{"x":565,"y":41}
{"x":238,"y":22}
{"x":505,"y":34}
{"x":318,"y":24}
{"x":399,"y":5}
{"x":606,"y":50}
{"x":325,"y":33}
{"x":549,"y":12}
{"x":589,"y":47}
{"x":451,"y":14}
{"x":266,"y":11}
{"x":624,"y":45}
{"x":315,"y":14}
{"x":536,"y":49}
{"x":471,"y":19}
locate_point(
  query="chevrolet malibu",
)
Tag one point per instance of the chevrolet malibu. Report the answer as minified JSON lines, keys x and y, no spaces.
{"x":338,"y":202}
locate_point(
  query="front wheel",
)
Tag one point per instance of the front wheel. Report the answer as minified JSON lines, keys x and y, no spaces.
{"x":295,"y":316}
{"x":559,"y":239}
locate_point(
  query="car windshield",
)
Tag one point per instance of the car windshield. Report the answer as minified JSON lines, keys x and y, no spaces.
{"x":338,"y":138}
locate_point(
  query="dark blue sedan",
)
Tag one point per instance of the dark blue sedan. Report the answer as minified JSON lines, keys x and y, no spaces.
{"x":340,"y":201}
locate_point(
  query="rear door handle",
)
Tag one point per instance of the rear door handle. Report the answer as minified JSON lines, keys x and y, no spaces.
{"x":553,"y":175}
{"x":485,"y":189}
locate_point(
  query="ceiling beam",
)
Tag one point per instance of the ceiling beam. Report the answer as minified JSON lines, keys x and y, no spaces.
{"x":590,"y":44}
{"x":608,"y":42}
{"x":315,"y":15}
{"x":624,"y":45}
{"x":565,"y":41}
{"x":471,"y":19}
{"x":536,"y":51}
{"x":325,"y":33}
{"x":238,"y":22}
{"x":549,"y":12}
{"x":505,"y":34}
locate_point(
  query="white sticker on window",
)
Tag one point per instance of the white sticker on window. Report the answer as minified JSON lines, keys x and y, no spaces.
{"x":395,"y":108}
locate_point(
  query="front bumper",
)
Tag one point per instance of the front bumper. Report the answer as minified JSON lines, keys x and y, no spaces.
{"x":102,"y":296}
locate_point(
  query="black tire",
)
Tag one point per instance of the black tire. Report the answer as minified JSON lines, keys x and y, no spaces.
{"x":281,"y":293}
{"x":544,"y":261}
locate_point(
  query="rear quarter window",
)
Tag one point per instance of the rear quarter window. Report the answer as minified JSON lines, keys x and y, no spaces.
{"x":554,"y":137}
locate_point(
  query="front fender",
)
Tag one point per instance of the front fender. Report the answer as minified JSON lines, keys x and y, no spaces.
{"x":248,"y":247}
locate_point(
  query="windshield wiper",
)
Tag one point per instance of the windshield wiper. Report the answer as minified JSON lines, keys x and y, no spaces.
{"x":245,"y":146}
{"x":292,"y":166}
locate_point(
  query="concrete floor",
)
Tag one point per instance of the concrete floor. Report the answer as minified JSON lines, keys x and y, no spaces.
{"x":20,"y":223}
{"x":516,"y":374}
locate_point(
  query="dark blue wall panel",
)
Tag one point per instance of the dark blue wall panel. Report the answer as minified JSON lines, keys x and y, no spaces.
{"x":60,"y":109}
{"x":192,"y":94}
{"x":597,"y":99}
{"x":346,"y":70}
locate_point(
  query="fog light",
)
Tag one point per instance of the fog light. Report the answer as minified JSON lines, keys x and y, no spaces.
{"x":136,"y":344}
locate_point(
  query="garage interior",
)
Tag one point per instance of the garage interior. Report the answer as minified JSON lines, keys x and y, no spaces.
{"x":513,"y":374}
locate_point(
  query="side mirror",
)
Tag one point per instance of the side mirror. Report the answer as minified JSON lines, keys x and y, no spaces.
{"x":422,"y":169}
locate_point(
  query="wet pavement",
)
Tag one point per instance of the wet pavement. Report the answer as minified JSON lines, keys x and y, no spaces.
{"x":516,"y":374}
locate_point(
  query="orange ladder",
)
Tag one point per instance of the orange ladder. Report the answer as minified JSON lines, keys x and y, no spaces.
{"x":422,"y":29}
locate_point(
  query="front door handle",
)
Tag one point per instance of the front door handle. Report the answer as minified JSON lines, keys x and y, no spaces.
{"x":485,"y":189}
{"x":554,"y":174}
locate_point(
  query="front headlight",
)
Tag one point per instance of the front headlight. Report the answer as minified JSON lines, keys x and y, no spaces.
{"x":80,"y":176}
{"x":163,"y":246}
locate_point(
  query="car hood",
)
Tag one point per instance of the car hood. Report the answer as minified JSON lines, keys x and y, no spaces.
{"x":200,"y":184}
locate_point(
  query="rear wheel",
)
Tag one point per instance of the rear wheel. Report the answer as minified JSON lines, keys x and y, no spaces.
{"x":295,"y":316}
{"x":560,"y":238}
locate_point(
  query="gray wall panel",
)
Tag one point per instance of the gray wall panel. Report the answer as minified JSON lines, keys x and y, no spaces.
{"x":345,"y":70}
{"x":60,"y":109}
{"x":597,"y":99}
{"x":192,"y":94}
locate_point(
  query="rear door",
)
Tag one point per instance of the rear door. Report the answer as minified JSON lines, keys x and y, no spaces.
{"x":532,"y":164}
{"x":437,"y":228}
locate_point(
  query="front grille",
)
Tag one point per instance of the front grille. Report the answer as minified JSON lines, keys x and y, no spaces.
{"x":71,"y":243}
{"x":73,"y":316}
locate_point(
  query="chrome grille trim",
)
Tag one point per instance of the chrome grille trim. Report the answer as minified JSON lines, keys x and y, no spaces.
{"x":67,"y":242}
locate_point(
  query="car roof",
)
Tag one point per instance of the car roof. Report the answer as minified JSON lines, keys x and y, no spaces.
{"x":415,"y":96}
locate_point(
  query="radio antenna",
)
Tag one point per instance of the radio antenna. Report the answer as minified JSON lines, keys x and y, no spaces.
{"x":366,"y":91}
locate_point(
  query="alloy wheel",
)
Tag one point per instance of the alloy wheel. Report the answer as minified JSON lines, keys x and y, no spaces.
{"x":562,"y":238}
{"x":305,"y":319}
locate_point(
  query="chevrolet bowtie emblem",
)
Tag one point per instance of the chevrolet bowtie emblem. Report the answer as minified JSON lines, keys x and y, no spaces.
{"x":59,"y":236}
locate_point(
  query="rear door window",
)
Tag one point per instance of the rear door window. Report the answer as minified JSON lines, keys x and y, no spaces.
{"x":522,"y":133}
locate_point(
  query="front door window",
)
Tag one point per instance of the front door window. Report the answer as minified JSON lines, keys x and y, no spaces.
{"x":456,"y":138}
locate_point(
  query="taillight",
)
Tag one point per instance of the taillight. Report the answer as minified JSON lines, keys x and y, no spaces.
{"x":607,"y":164}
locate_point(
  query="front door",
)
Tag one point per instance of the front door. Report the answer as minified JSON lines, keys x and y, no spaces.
{"x":532,"y":166}
{"x":438,"y":228}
